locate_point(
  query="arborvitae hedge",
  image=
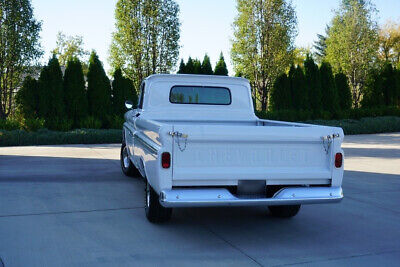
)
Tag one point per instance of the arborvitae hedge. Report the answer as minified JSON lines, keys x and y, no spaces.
{"x":99,"y":91}
{"x":51,"y":96}
{"x":281,"y":94}
{"x":206,"y":68}
{"x":343,"y":89}
{"x":122,"y":90}
{"x":220,"y":67}
{"x":383,"y":87}
{"x":28,"y":98}
{"x":197,"y":69}
{"x":189,"y":69}
{"x":182,"y":67}
{"x":313,"y":82}
{"x":329,"y":94}
{"x":75,"y":92}
{"x":298,"y":89}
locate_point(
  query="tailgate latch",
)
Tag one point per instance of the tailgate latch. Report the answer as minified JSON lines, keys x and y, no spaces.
{"x":327,"y":141}
{"x":178,"y":139}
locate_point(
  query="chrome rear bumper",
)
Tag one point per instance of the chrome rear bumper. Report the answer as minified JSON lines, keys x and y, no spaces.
{"x":222,"y":197}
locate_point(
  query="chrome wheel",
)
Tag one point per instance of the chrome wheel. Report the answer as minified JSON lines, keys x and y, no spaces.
{"x":147,"y":195}
{"x":125,"y":158}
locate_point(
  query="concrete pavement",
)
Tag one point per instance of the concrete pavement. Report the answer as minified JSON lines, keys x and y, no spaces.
{"x":72,"y":206}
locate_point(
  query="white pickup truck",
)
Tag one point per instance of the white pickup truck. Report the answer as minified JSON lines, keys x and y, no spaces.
{"x":197,"y":142}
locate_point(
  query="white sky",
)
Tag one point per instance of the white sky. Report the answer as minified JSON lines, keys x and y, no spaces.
{"x":206,"y":25}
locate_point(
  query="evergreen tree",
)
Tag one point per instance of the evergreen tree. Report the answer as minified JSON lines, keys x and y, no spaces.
{"x":390,"y":85}
{"x":298,"y":89}
{"x":220,"y":67}
{"x":76,"y":105}
{"x":182,"y":67}
{"x":99,"y":90}
{"x":313,"y":82}
{"x":280,"y":95}
{"x":122,"y":90}
{"x":330,"y":99}
{"x":373,"y":95}
{"x":27,"y":98}
{"x":189,"y":66}
{"x":382,"y":87}
{"x":51,"y":97}
{"x":197,"y":66}
{"x":343,"y":89}
{"x":206,"y":68}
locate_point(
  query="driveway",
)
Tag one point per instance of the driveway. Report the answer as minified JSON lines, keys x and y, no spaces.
{"x":72,"y":206}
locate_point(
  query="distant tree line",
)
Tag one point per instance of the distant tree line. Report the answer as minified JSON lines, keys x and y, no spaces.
{"x":63,"y":102}
{"x":316,"y":90}
{"x":195,"y":66}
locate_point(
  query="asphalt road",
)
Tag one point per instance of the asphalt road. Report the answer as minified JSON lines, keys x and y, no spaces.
{"x":71,"y":206}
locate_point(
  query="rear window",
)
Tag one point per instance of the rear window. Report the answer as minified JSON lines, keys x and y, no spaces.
{"x":204,"y":95}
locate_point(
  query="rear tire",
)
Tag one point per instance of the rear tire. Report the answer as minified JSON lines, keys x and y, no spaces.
{"x":281,"y":211}
{"x":155,"y":212}
{"x":126,"y":164}
{"x":284,"y":211}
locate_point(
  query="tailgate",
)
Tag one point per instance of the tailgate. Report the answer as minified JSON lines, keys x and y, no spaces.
{"x":225,"y":154}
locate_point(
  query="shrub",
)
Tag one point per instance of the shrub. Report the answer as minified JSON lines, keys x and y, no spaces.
{"x":46,"y":137}
{"x":9,"y":124}
{"x":90,"y":122}
{"x":33,"y":124}
{"x":116,"y":122}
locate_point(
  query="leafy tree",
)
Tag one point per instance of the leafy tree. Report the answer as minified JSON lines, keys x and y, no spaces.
{"x":351,"y":45}
{"x":68,"y":47}
{"x":51,"y":94}
{"x":313,"y":82}
{"x":300,"y":55}
{"x":146,"y":39}
{"x":19,"y":48}
{"x":281,"y":94}
{"x":99,"y":90}
{"x":389,"y":43}
{"x":182,"y":67}
{"x":27,"y":98}
{"x":197,"y":68}
{"x":189,"y":66}
{"x":206,"y":68}
{"x":343,"y":89}
{"x":220,"y":67}
{"x":76,"y":104}
{"x":330,"y":98}
{"x":122,"y":90}
{"x":298,"y":88}
{"x":263,"y":42}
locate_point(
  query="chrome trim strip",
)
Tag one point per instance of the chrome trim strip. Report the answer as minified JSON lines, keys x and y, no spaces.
{"x":222,"y":197}
{"x":150,"y":145}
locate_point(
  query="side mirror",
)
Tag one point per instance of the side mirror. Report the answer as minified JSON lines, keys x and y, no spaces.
{"x":128,"y":104}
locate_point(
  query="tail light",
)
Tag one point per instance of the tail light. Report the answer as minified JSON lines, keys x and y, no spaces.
{"x":165,"y":160}
{"x":338,"y":160}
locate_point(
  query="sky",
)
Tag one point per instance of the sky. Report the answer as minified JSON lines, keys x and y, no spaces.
{"x":206,"y":25}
